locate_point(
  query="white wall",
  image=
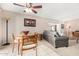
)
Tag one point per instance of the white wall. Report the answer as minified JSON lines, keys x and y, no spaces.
{"x":41,"y":24}
{"x":1,"y":30}
{"x":3,"y":16}
{"x":16,"y":25}
{"x":73,"y":24}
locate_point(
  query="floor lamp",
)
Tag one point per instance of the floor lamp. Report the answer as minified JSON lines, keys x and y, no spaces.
{"x":7,"y":43}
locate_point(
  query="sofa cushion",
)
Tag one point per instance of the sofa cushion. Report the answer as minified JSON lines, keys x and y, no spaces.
{"x":56,"y":34}
{"x":62,"y":38}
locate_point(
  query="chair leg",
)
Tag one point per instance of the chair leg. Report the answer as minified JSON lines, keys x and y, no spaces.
{"x":13,"y":48}
{"x":21,"y":53}
{"x":36,"y":51}
{"x":77,"y":41}
{"x":18,"y":48}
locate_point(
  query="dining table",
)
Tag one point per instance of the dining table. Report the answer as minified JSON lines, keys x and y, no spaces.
{"x":76,"y":35}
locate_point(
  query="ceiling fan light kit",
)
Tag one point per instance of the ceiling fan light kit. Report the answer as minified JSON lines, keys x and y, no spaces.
{"x":28,"y":10}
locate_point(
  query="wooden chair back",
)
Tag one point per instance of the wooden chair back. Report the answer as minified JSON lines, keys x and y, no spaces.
{"x":13,"y":37}
{"x":29,"y":40}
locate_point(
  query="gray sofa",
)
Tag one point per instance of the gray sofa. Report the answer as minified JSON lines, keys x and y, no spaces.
{"x":55,"y":39}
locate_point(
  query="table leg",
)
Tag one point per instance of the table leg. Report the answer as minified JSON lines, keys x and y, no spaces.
{"x":77,"y":40}
{"x":18,"y":48}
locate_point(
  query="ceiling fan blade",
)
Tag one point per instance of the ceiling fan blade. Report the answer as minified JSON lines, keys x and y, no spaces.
{"x":19,"y":5}
{"x":39,"y":6}
{"x":34,"y":11}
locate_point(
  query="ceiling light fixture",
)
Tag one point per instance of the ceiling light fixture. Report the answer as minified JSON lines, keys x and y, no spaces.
{"x":28,"y":10}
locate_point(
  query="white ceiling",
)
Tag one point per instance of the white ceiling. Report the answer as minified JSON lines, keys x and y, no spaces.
{"x":60,"y":11}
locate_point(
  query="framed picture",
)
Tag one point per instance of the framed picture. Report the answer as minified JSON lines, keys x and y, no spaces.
{"x":62,"y":26}
{"x":29,"y":22}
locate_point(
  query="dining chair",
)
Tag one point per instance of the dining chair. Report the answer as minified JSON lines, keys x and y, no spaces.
{"x":14,"y":43}
{"x":30,"y":41}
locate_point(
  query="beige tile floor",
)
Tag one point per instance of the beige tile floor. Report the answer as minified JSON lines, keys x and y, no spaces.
{"x":43,"y":50}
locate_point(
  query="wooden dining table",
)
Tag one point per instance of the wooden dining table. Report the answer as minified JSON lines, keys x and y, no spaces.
{"x":76,"y":35}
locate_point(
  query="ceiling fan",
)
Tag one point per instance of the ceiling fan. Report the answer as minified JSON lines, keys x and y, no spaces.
{"x":29,"y":6}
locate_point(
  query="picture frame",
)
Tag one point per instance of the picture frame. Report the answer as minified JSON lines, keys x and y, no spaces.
{"x":62,"y":26}
{"x":29,"y":22}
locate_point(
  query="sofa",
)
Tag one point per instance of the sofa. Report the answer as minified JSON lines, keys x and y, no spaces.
{"x":55,"y":39}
